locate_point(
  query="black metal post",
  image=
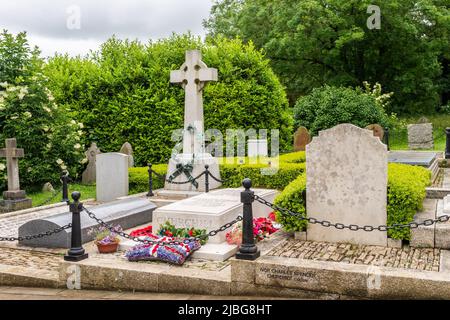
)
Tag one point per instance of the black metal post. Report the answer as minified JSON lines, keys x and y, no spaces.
{"x":76,"y":251}
{"x":206,"y":178}
{"x":304,"y":197}
{"x":248,"y":250}
{"x":447,"y":144}
{"x":65,"y":179}
{"x":386,"y":138}
{"x":150,"y":181}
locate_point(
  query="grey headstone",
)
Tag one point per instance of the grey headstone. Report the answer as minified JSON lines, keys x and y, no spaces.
{"x":89,"y":175}
{"x":127,"y":213}
{"x":128,"y":150}
{"x":420,"y":136}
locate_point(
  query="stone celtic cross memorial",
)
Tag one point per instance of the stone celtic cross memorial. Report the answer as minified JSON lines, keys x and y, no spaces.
{"x":346,"y":170}
{"x":13,"y":199}
{"x":193,"y":76}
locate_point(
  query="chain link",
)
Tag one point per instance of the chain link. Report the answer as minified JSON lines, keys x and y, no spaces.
{"x":217,"y":179}
{"x":38,"y":235}
{"x":352,"y":227}
{"x":163,"y":178}
{"x":212,"y":233}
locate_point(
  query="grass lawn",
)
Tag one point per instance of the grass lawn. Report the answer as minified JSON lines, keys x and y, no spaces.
{"x":398,"y":139}
{"x":87,"y":192}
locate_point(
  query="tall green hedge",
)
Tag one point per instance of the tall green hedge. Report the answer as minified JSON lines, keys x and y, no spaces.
{"x":122,"y":93}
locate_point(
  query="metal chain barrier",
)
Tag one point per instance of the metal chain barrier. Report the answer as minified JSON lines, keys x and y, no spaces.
{"x":352,"y":227}
{"x":212,"y":233}
{"x":163,"y":178}
{"x":38,"y":235}
{"x":217,"y":179}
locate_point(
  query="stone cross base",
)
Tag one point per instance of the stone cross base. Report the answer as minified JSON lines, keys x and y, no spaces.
{"x":199,"y":166}
{"x":14,"y":205}
{"x":14,"y":200}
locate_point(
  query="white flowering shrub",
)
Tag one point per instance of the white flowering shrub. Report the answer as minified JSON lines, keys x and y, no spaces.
{"x":52,"y":140}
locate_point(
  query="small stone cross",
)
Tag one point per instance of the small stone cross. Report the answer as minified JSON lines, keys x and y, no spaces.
{"x":12,"y":155}
{"x":193,"y":76}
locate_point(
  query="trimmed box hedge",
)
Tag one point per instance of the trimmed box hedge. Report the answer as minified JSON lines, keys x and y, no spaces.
{"x":231,"y":174}
{"x":406,"y":192}
{"x":138,"y":178}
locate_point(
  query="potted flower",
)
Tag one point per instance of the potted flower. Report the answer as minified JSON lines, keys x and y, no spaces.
{"x":107,"y":240}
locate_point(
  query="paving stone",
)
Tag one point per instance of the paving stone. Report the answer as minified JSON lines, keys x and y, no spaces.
{"x":411,"y":258}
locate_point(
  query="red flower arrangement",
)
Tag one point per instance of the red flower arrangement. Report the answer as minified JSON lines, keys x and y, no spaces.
{"x":262,"y":228}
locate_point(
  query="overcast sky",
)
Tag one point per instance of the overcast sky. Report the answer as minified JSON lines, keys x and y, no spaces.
{"x":77,"y":26}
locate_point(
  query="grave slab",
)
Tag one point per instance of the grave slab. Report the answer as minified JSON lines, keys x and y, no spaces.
{"x":128,"y":213}
{"x":414,"y":158}
{"x":210,"y":210}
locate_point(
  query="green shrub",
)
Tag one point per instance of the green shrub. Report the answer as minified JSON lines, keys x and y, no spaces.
{"x":291,"y":198}
{"x":126,"y":86}
{"x":293,"y":157}
{"x":328,"y":106}
{"x":405,"y":196}
{"x":50,"y":138}
{"x":234,"y":174}
{"x":138,"y":178}
{"x":406,"y":192}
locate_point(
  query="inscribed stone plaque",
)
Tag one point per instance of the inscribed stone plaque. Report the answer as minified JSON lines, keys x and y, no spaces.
{"x":346,"y":169}
{"x":301,"y":139}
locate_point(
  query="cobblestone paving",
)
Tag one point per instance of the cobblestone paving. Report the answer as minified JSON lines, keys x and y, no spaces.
{"x":37,"y":260}
{"x":407,"y":258}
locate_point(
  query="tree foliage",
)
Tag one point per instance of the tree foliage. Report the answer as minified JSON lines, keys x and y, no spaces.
{"x":316,"y":42}
{"x":123,"y":93}
{"x":329,"y":106}
{"x":28,"y":112}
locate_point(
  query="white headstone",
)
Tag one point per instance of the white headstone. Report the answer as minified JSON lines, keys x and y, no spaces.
{"x":346,"y":169}
{"x":257,"y":147}
{"x":112,"y":176}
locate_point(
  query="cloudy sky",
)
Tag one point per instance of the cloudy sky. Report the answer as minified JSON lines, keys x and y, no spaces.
{"x":77,"y":26}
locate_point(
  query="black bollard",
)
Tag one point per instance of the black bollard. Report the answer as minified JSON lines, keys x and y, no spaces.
{"x":248,"y":250}
{"x":386,"y":138}
{"x":76,"y":251}
{"x":150,"y":181}
{"x":447,"y":144}
{"x":206,"y":178}
{"x":65,"y":179}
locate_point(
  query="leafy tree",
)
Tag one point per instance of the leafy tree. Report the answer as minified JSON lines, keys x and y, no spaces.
{"x":316,"y":42}
{"x":123,"y":93}
{"x":329,"y":106}
{"x":28,"y":112}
